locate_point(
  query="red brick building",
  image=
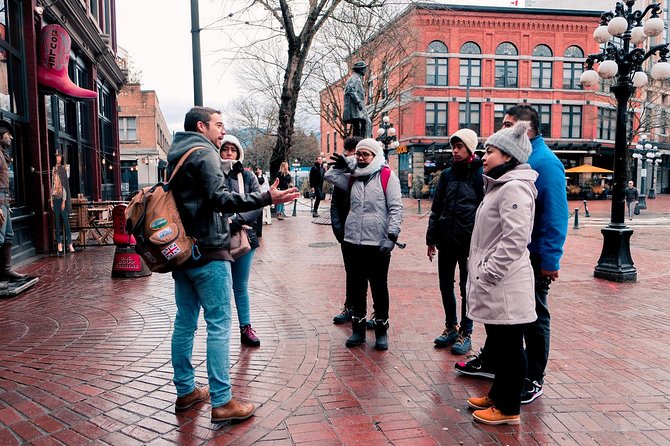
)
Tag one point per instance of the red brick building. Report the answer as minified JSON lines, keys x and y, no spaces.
{"x":144,"y":138}
{"x":471,"y":63}
{"x":47,"y":120}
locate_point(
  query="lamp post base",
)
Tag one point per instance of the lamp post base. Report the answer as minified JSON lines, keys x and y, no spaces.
{"x":642,"y":202}
{"x":615,"y":263}
{"x":652,"y":193}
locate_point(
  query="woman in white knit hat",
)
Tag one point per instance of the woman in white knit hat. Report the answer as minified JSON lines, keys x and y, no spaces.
{"x":243,"y":182}
{"x":501,"y":285}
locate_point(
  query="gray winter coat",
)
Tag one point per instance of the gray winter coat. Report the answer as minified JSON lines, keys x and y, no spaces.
{"x":501,"y":285}
{"x":372,"y":214}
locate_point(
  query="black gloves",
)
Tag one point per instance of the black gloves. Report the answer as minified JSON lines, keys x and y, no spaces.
{"x":338,"y":162}
{"x":388,"y":244}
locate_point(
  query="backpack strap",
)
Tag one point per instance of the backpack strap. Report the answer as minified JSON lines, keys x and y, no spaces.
{"x":182,"y":160}
{"x":385,"y":175}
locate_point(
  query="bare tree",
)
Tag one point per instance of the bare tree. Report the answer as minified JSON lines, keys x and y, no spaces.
{"x":296,"y":24}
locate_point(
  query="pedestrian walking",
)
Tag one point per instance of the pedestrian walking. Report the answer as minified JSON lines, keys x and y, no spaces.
{"x":452,"y":216}
{"x":316,"y":174}
{"x":242,"y":182}
{"x":632,"y":197}
{"x":266,"y":217}
{"x":370,"y":233}
{"x":61,"y":204}
{"x":501,"y":283}
{"x":339,"y":209}
{"x":205,"y":280}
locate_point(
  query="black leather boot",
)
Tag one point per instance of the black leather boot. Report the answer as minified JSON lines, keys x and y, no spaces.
{"x":6,"y":272}
{"x":381,"y":337}
{"x":358,"y":336}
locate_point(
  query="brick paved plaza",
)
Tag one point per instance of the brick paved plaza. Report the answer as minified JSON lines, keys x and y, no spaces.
{"x":85,"y":359}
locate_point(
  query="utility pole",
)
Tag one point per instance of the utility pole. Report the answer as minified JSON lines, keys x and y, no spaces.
{"x":197,"y":62}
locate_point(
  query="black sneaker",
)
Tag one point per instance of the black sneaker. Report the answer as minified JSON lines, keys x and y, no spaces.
{"x":531,"y":391}
{"x":475,"y":367}
{"x":344,"y":316}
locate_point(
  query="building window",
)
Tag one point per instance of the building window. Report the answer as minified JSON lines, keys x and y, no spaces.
{"x":499,"y":114}
{"x":436,"y":67}
{"x":573,"y":70}
{"x":127,"y":129}
{"x":436,"y":119}
{"x":470,"y":69}
{"x":544,"y":115}
{"x":571,"y":124}
{"x":469,"y":115}
{"x":541,"y":68}
{"x":507,"y":70}
{"x":606,"y":123}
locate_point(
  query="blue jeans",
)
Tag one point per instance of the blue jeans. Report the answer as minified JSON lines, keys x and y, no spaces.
{"x":208,"y":286}
{"x":240,"y":271}
{"x":446,"y":267}
{"x":61,"y":217}
{"x":6,"y":231}
{"x":279,"y":208}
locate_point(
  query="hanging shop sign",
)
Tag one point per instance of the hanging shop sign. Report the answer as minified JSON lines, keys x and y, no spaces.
{"x":53,"y":59}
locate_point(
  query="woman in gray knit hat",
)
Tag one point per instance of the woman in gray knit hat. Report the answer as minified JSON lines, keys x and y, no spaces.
{"x":501,"y":285}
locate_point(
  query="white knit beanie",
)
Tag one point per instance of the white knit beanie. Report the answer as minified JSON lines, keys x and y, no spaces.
{"x":377,"y":162}
{"x":372,"y":145}
{"x":513,"y":141}
{"x":467,"y":137}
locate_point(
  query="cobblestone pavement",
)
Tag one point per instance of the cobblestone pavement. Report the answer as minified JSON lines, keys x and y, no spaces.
{"x":85,"y":359}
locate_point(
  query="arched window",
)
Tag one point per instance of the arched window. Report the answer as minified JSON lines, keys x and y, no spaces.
{"x":507,"y":49}
{"x":437,"y":67}
{"x":437,"y":46}
{"x":540,"y":75}
{"x":470,"y":67}
{"x":507,"y":69}
{"x":573,"y":70}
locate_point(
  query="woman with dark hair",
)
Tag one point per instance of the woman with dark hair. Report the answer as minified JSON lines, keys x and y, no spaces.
{"x":243,"y":182}
{"x":61,"y":204}
{"x":501,"y":284}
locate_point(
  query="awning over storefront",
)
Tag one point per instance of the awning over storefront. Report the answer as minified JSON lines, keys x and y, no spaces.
{"x":587,"y":168}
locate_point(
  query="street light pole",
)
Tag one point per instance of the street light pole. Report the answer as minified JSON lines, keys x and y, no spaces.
{"x":197,"y":60}
{"x":386,"y":134}
{"x":645,"y":152}
{"x":624,"y":64}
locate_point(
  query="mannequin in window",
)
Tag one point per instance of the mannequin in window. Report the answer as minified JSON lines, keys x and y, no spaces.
{"x":61,"y":203}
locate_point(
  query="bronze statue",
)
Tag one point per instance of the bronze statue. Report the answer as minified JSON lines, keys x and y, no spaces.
{"x":354,"y":102}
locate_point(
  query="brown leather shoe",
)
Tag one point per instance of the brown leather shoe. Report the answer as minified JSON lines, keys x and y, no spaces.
{"x":199,"y":394}
{"x":233,"y":410}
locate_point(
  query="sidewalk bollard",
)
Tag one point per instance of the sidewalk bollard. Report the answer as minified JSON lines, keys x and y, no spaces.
{"x":295,"y":208}
{"x":576,"y":226}
{"x":418,"y":207}
{"x":586,"y":210}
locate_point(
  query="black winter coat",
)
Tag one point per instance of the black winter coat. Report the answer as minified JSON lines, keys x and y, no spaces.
{"x":452,"y":216}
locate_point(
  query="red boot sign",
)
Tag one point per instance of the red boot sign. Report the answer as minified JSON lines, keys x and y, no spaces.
{"x":54,"y":56}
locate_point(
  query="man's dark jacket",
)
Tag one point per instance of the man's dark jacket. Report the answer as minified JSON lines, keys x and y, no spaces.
{"x":452,"y":215}
{"x":316,"y":177}
{"x":201,"y":195}
{"x":339,"y":209}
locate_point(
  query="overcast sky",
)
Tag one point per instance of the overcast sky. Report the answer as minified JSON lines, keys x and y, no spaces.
{"x":157,"y":35}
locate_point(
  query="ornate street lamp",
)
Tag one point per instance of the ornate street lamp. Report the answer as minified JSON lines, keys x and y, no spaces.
{"x":645,"y":151}
{"x":624,"y":64}
{"x":386,"y":134}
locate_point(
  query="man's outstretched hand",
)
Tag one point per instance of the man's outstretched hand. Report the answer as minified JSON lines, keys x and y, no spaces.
{"x":283,"y":196}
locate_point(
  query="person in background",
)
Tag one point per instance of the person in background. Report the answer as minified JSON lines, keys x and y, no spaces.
{"x":501,"y":282}
{"x":61,"y":204}
{"x":452,"y":217}
{"x":242,"y":182}
{"x":316,"y":184}
{"x":284,"y":177}
{"x":339,"y":209}
{"x":266,"y":216}
{"x":632,"y":197}
{"x":6,"y":230}
{"x":370,"y":233}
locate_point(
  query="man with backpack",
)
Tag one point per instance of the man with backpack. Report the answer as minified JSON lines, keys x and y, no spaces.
{"x":452,"y":218}
{"x":370,"y":233}
{"x":205,"y":279}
